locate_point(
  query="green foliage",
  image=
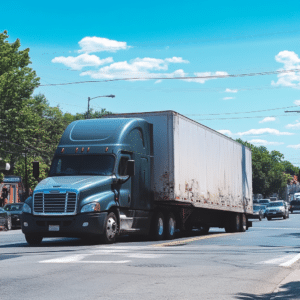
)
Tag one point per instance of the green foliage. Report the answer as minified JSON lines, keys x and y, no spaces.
{"x":1,"y":177}
{"x":17,"y":83}
{"x":270,"y":173}
{"x":20,"y":170}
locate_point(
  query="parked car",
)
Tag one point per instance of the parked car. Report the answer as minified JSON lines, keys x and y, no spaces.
{"x":257,"y":212}
{"x":264,"y":208}
{"x":264,"y":201}
{"x":5,"y":219}
{"x":294,"y":205}
{"x":15,"y":211}
{"x":276,"y":209}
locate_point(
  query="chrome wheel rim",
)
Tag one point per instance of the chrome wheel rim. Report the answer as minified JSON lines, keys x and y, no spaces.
{"x":111,"y":228}
{"x":171,"y":226}
{"x":160,"y":226}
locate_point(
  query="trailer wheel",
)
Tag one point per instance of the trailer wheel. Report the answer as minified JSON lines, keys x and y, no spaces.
{"x":243,"y":223}
{"x":170,"y":226}
{"x":158,"y":226}
{"x":233,"y":223}
{"x":33,"y":239}
{"x":269,"y":218}
{"x":110,"y":228}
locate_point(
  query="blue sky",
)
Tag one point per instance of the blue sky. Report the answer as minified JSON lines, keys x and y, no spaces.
{"x":72,"y":41}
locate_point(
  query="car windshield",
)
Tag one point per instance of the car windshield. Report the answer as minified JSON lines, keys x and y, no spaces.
{"x":256,"y":207}
{"x":13,"y":207}
{"x":264,"y":201}
{"x":82,"y":165}
{"x":295,"y":202}
{"x":275,"y":204}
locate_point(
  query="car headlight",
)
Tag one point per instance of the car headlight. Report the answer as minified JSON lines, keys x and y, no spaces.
{"x":91,"y":207}
{"x":26,"y":208}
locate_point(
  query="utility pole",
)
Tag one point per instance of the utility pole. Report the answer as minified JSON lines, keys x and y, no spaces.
{"x":89,"y":99}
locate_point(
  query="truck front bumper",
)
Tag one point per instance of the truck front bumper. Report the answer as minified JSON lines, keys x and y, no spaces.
{"x":81,"y":225}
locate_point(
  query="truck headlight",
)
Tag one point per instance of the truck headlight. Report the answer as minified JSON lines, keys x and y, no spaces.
{"x":91,"y":207}
{"x":26,"y":208}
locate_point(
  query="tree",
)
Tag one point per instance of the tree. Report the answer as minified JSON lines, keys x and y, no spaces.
{"x":17,"y":83}
{"x":268,"y":170}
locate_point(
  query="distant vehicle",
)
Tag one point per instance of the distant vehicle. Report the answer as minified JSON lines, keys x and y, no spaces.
{"x":264,"y":201}
{"x":294,"y":205}
{"x":15,"y":211}
{"x":264,"y":208}
{"x":5,"y":219}
{"x":257,"y":212}
{"x":276,"y":209}
{"x":255,"y":201}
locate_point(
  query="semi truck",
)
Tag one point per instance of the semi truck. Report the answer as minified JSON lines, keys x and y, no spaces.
{"x":152,"y":173}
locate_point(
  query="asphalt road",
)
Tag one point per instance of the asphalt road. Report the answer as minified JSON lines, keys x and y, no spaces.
{"x":263,"y":263}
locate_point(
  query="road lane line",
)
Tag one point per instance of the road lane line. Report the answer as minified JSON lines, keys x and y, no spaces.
{"x":182,"y":242}
{"x":291,"y":261}
{"x":276,"y":261}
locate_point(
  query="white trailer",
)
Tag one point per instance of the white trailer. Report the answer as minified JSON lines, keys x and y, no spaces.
{"x":205,"y":173}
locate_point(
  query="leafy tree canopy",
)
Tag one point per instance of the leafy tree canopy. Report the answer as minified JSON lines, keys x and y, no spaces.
{"x":270,"y":173}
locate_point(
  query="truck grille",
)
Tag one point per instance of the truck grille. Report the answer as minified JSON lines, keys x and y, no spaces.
{"x":54,"y":203}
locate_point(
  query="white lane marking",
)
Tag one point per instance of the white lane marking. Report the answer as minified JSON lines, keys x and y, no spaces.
{"x":78,"y":259}
{"x":283,"y":261}
{"x":291,"y":261}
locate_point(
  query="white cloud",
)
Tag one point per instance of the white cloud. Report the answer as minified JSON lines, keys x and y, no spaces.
{"x":293,"y":126}
{"x":294,"y":146}
{"x":228,"y":98}
{"x":297,"y":102}
{"x":264,"y":142}
{"x":268,"y":119}
{"x":263,"y":131}
{"x":290,"y":61}
{"x":177,"y":60}
{"x":231,"y":90}
{"x":225,"y":131}
{"x":139,"y":68}
{"x":98,"y":44}
{"x":204,"y":76}
{"x":83,"y":60}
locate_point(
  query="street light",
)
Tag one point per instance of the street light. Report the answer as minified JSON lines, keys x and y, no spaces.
{"x":89,"y":99}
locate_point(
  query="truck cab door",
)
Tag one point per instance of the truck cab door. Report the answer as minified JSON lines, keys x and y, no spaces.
{"x":124,"y":189}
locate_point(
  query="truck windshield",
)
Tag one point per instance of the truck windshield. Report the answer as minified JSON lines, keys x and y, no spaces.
{"x":82,"y":165}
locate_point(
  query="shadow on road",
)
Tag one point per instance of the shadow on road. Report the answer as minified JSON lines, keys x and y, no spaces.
{"x":289,"y":290}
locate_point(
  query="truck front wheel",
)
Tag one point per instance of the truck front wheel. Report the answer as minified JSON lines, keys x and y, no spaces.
{"x":110,"y":228}
{"x":158,"y":226}
{"x":33,"y":239}
{"x":170,"y":226}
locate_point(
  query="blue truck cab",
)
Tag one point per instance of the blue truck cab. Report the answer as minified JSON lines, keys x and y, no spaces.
{"x":99,"y":184}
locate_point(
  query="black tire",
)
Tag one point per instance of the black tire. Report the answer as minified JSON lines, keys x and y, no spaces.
{"x":291,"y":211}
{"x":8,"y":225}
{"x":269,"y":218}
{"x":33,"y":239}
{"x":243,"y":223}
{"x":170,"y":226}
{"x":259,"y":218}
{"x":110,"y":229}
{"x":234,"y":223}
{"x":158,"y":226}
{"x":284,"y":217}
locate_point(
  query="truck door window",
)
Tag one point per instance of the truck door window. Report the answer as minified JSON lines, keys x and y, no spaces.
{"x":123,"y":166}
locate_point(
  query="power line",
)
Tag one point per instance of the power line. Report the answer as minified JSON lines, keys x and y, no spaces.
{"x":245,"y":112}
{"x":179,"y":78}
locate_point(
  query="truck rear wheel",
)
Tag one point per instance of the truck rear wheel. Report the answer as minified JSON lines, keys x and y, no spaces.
{"x":33,"y":239}
{"x":110,"y":228}
{"x":243,"y":223}
{"x":158,"y":226}
{"x":233,"y":223}
{"x":170,"y":226}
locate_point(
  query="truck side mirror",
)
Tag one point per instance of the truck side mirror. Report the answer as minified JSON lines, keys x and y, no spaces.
{"x":36,"y":169}
{"x":130,"y":167}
